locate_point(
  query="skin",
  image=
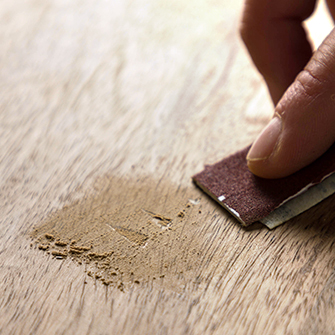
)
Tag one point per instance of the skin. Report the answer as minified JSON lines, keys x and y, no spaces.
{"x":301,"y":85}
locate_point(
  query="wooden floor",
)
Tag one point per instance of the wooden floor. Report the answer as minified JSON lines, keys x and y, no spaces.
{"x":107,"y":108}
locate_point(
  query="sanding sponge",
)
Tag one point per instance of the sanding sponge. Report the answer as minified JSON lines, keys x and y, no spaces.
{"x":271,"y":201}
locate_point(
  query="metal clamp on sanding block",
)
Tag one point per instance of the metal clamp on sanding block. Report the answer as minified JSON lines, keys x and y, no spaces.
{"x":270,"y":201}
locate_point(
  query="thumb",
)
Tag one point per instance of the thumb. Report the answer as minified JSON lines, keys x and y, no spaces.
{"x":303,"y":126}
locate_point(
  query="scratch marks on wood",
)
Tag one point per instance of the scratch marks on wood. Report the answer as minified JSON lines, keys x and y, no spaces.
{"x":160,"y":219}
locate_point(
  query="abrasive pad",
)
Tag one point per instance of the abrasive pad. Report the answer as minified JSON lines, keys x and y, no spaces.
{"x":271,"y":201}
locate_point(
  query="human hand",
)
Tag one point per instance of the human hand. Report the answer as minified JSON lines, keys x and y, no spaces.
{"x":301,"y":84}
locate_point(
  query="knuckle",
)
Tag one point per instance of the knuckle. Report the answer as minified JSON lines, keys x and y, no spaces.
{"x":324,"y":61}
{"x":318,"y":76}
{"x":310,"y":84}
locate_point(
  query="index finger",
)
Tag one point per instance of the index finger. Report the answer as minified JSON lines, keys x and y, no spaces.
{"x":277,"y":42}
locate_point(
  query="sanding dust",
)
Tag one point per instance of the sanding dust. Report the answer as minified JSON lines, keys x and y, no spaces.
{"x":128,"y":232}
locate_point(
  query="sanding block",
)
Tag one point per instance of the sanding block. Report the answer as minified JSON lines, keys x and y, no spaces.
{"x":271,"y":201}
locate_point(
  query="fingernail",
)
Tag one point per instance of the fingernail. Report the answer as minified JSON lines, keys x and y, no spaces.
{"x":266,"y":141}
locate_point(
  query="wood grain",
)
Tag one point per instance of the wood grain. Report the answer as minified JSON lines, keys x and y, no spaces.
{"x":138,"y":90}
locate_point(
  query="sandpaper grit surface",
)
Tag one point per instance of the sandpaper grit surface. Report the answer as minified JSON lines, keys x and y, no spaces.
{"x":252,"y":198}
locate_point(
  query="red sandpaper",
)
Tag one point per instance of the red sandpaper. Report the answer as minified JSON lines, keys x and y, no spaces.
{"x":232,"y":184}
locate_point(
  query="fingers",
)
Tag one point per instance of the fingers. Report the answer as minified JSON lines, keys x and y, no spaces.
{"x":303,"y":127}
{"x":276,"y":40}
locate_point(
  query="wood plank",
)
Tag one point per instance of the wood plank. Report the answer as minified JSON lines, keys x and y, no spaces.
{"x":107,"y":110}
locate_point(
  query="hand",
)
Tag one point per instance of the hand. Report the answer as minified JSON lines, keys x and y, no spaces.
{"x":302,"y":85}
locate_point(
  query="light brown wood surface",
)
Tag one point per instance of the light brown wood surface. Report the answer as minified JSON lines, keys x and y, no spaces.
{"x":145,"y":92}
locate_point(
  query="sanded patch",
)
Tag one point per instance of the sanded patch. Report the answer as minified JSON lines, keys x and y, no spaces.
{"x":127,"y":231}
